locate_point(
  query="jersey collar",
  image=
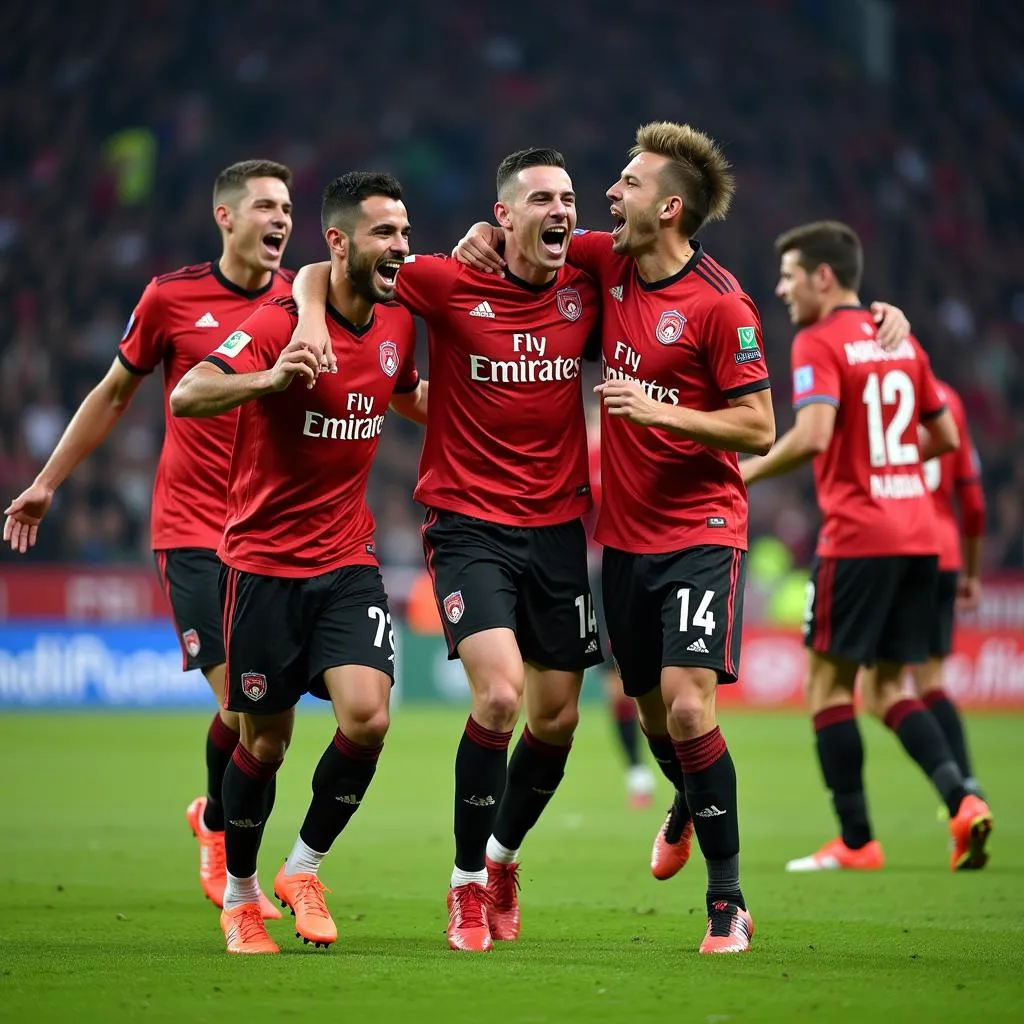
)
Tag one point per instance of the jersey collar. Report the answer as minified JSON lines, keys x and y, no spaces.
{"x":244,"y":292}
{"x":666,"y":282}
{"x":342,"y":321}
{"x":520,"y":283}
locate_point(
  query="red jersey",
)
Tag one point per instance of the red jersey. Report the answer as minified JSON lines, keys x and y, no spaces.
{"x":869,"y":482}
{"x":692,"y":340}
{"x":180,"y":317}
{"x":956,"y":476}
{"x":506,"y":439}
{"x":296,"y":499}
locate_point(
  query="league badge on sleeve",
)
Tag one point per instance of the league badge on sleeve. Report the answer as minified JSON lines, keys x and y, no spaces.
{"x":254,"y":685}
{"x":234,"y":343}
{"x":570,"y":305}
{"x":803,"y":379}
{"x":670,"y":327}
{"x":453,"y":606}
{"x":389,"y":357}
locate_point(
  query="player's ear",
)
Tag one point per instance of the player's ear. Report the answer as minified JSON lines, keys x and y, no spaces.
{"x":501,"y":215}
{"x":224,"y":216}
{"x":672,"y":207}
{"x":337,"y":242}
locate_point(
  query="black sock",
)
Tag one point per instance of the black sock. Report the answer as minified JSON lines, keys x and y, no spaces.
{"x":709,"y":777}
{"x":628,"y":729}
{"x":246,"y":781}
{"x":220,"y":745}
{"x":664,"y":753}
{"x":480,"y":768}
{"x":923,"y":741}
{"x":340,"y":781}
{"x":946,"y":714}
{"x":841,"y":756}
{"x":534,"y":772}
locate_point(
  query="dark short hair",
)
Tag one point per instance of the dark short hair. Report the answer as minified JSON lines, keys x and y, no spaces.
{"x":343,"y":196}
{"x":826,"y":241}
{"x":230,"y":183}
{"x":523,"y":158}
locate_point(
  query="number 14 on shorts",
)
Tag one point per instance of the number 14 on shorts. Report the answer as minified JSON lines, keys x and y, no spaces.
{"x":702,"y":616}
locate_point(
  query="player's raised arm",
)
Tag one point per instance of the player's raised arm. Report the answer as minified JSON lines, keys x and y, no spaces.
{"x":479,"y":248}
{"x":309,"y":290}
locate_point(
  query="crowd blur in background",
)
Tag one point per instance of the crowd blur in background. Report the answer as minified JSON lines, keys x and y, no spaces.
{"x":905,"y":120}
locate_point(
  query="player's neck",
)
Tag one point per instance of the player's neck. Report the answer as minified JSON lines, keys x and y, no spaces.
{"x":250,"y":279}
{"x":833,"y":300}
{"x":665,"y":259}
{"x":355,"y":308}
{"x":526,"y":271}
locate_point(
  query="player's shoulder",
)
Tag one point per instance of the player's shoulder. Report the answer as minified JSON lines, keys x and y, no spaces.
{"x":184,"y":276}
{"x":713,"y":282}
{"x":270,"y":310}
{"x":394,"y":316}
{"x":285,"y":275}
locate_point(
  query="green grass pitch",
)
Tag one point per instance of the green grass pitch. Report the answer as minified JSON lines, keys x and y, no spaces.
{"x":103,"y":918}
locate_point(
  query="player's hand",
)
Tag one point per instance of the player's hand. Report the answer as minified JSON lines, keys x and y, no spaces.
{"x":313,"y":332}
{"x":24,"y":515}
{"x":479,"y":248}
{"x":968,"y":593}
{"x":297,"y":359}
{"x":892,"y":325}
{"x":627,"y":399}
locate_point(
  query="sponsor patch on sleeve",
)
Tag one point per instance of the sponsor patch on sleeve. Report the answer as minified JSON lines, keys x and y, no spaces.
{"x":748,"y":338}
{"x":234,"y":343}
{"x":803,"y":379}
{"x":747,"y":357}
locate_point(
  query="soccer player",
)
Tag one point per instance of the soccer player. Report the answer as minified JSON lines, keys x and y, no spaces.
{"x":953,"y":479}
{"x":871,"y":595}
{"x":503,"y":477}
{"x":304,"y":605}
{"x":172,"y":327}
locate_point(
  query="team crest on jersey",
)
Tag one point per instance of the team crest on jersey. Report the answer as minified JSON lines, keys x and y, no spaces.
{"x":453,"y":606}
{"x":254,"y":685}
{"x":191,"y":640}
{"x":389,"y":357}
{"x":670,"y":327}
{"x":570,"y":305}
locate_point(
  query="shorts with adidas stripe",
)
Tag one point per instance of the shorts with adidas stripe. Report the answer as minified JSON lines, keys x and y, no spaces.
{"x":684,"y":608}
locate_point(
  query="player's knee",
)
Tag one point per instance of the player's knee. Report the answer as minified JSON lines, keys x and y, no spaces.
{"x":370,"y":728}
{"x":690,"y":711}
{"x":268,"y":747}
{"x":498,"y":705}
{"x":557,"y":725}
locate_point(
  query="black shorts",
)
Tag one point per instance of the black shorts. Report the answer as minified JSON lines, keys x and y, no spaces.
{"x":530,"y":579}
{"x":683,"y":609}
{"x":282,"y":633}
{"x":940,"y":636}
{"x":190,"y":578}
{"x":871,"y":609}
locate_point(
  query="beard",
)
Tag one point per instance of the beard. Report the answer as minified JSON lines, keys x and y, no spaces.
{"x":361,"y":272}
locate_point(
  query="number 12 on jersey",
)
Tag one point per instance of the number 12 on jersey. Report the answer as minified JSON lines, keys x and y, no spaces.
{"x":886,"y":443}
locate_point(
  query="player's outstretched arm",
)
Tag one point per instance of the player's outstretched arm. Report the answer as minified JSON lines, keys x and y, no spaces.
{"x":309,"y":290}
{"x":92,"y":422}
{"x":478,"y":248}
{"x":207,"y":390}
{"x":413,"y":404}
{"x":809,"y":436}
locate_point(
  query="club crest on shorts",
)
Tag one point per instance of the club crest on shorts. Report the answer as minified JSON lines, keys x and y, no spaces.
{"x":670,"y":327}
{"x":389,"y":357}
{"x":254,"y":685}
{"x":453,"y":606}
{"x":191,"y":640}
{"x":570,"y":305}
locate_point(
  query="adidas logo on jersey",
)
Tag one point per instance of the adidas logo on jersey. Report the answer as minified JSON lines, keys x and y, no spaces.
{"x":207,"y":320}
{"x":616,"y":292}
{"x":484,"y":309}
{"x":698,"y":646}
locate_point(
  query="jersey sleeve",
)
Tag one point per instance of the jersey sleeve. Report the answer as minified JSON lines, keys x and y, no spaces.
{"x":144,"y":343}
{"x":590,"y":251}
{"x":967,"y":473}
{"x":931,"y":401}
{"x":425,"y":283}
{"x":731,"y":334}
{"x":408,"y":376}
{"x":258,"y":340}
{"x":816,"y":377}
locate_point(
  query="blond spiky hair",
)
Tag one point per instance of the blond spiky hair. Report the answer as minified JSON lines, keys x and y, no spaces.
{"x":698,"y":170}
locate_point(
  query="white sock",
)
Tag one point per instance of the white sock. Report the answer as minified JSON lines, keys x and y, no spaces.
{"x":501,"y":854}
{"x":241,"y":890}
{"x":302,"y":860}
{"x":460,"y":877}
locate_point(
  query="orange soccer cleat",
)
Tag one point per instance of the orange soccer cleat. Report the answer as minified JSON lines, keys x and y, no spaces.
{"x":303,"y":894}
{"x":213,"y":875}
{"x":503,"y":911}
{"x":672,"y":844}
{"x":970,"y":830}
{"x":730,"y":929}
{"x":836,"y":855}
{"x":467,"y":918}
{"x":245,"y":931}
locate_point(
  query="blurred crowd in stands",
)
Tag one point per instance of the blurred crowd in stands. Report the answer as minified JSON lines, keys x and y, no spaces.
{"x":904,"y":119}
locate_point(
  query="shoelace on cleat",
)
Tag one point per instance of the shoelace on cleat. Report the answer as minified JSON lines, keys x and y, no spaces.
{"x":309,"y":897}
{"x":722,"y":916}
{"x":469,"y":905}
{"x":214,"y":862}
{"x":678,"y":816}
{"x":502,"y":890}
{"x":250,"y":924}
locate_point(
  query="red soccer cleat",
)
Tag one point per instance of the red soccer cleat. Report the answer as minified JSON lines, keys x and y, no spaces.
{"x":673,"y":842}
{"x":303,"y":894}
{"x":503,"y":911}
{"x":835,"y":855}
{"x":467,"y":918}
{"x":245,"y":931}
{"x":730,"y":929}
{"x":970,"y":830}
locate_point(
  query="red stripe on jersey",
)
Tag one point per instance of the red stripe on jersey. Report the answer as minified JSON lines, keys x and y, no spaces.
{"x":228,"y":620}
{"x":734,"y":575}
{"x":428,"y":557}
{"x":823,"y":606}
{"x":197,"y":270}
